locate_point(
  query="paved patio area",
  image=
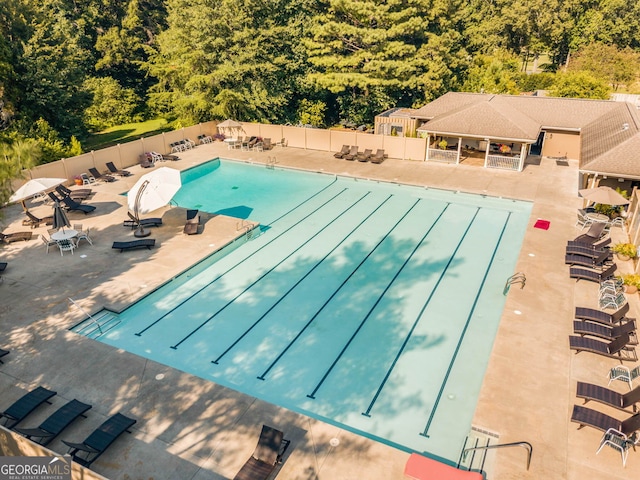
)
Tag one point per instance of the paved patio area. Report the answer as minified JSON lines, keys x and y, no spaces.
{"x":189,"y":428}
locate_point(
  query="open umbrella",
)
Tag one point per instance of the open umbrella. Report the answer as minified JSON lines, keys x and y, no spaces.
{"x":230,"y":125}
{"x":33,"y":187}
{"x":60,"y":219}
{"x":152,"y":191}
{"x":603,"y":195}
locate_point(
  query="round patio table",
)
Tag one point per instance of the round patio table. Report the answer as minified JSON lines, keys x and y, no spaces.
{"x":67,"y":234}
{"x":597,"y":217}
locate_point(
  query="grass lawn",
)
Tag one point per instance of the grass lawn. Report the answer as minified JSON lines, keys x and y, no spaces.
{"x":125,"y":133}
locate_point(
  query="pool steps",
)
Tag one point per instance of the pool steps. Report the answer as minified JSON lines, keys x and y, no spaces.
{"x":97,"y":325}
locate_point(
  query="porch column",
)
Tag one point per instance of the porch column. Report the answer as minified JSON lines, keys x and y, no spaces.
{"x":486,"y":152}
{"x":459,"y":150}
{"x":428,"y":143}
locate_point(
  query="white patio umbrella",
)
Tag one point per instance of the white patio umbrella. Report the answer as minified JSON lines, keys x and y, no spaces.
{"x":604,"y":195}
{"x":33,"y":187}
{"x":230,"y":125}
{"x":152,"y":191}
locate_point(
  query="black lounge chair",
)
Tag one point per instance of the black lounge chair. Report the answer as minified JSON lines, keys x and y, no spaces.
{"x":364,"y":156}
{"x":73,"y":205}
{"x":166,"y":156}
{"x":378,"y":157}
{"x":113,"y":169}
{"x":99,"y":176}
{"x":145,"y":222}
{"x":342,"y":152}
{"x":587,"y":251}
{"x":588,"y":392}
{"x":15,"y":237}
{"x":25,"y":405}
{"x":618,"y":348}
{"x":586,"y":417}
{"x":582,"y":327}
{"x":268,"y":453}
{"x":75,"y":195}
{"x":192,"y":223}
{"x":83,"y":191}
{"x":143,"y":243}
{"x":353,"y":153}
{"x":605,"y":318}
{"x":35,"y":221}
{"x":599,"y":276}
{"x":588,"y":260}
{"x":56,"y":423}
{"x":2,"y":351}
{"x":592,"y":235}
{"x":94,"y":445}
{"x":603,"y":242}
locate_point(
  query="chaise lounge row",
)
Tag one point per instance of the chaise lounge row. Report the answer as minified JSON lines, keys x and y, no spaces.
{"x":352,"y":153}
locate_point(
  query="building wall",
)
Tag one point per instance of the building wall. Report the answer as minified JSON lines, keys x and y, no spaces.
{"x":403,"y":126}
{"x":561,"y":144}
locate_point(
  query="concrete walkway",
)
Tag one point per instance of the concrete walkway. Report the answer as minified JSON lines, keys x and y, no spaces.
{"x":189,"y":428}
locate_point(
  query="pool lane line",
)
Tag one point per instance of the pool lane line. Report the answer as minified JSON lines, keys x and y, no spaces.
{"x":367,"y":412}
{"x":424,"y":433}
{"x":241,"y":261}
{"x":175,"y":347}
{"x":364,"y":320}
{"x":246,"y":332}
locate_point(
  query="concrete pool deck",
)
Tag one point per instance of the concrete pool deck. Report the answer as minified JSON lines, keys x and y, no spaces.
{"x":189,"y":428}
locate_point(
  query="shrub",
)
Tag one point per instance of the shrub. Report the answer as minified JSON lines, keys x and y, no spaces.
{"x":626,"y":249}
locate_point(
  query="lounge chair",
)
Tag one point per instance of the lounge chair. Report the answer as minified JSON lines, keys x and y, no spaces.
{"x":145,"y":161}
{"x":35,"y":221}
{"x":618,"y":348}
{"x":622,"y":401}
{"x":83,"y":191}
{"x":99,"y":176}
{"x":342,"y":152}
{"x":56,"y":423}
{"x":193,"y":222}
{"x":155,"y":156}
{"x":587,"y":251}
{"x":26,"y":404}
{"x":73,"y":205}
{"x":143,"y":243}
{"x":87,"y":179}
{"x":596,"y":230}
{"x":94,"y":445}
{"x":145,"y":222}
{"x":586,"y":417}
{"x":353,"y":153}
{"x":587,"y":260}
{"x":378,"y":157}
{"x":625,"y":374}
{"x":582,"y":328}
{"x":15,"y":237}
{"x":266,"y":144}
{"x":65,"y":192}
{"x":605,"y":318}
{"x":268,"y":453}
{"x":364,"y":156}
{"x":580,"y":273}
{"x":3,"y":352}
{"x":113,"y":169}
{"x":597,"y":245}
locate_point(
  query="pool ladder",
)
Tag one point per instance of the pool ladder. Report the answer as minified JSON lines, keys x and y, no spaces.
{"x":515,"y":278}
{"x":271,"y":162}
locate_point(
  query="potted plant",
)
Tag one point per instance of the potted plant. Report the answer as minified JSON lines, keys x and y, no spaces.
{"x":625,"y":251}
{"x":78,"y":180}
{"x":443,"y":144}
{"x":631,"y":282}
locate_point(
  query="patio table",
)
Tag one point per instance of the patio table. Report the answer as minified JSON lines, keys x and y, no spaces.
{"x":597,"y":217}
{"x":67,"y":234}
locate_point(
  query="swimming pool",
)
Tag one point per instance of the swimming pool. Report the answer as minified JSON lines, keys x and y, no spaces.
{"x":369,"y":305}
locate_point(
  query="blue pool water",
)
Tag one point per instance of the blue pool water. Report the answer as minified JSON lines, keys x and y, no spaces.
{"x":369,"y":305}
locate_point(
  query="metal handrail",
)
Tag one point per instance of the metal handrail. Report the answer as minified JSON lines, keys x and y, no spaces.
{"x":93,"y":320}
{"x":525,"y":445}
{"x":519,"y":277}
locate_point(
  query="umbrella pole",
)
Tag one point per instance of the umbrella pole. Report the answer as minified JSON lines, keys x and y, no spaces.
{"x":140,"y":232}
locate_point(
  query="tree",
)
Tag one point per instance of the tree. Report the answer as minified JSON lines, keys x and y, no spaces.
{"x":111,"y":105}
{"x":494,"y":74}
{"x":15,"y":157}
{"x":580,"y":85}
{"x":617,"y":67}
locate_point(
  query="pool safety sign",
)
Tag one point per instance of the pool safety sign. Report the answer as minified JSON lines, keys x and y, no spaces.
{"x":35,"y":468}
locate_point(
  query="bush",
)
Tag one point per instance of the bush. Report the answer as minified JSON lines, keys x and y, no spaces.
{"x":626,"y":249}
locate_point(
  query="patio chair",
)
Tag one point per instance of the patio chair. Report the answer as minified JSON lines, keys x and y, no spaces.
{"x":143,"y":243}
{"x":87,"y":179}
{"x":379,"y":156}
{"x":266,"y":144}
{"x":608,"y":300}
{"x":192,"y":223}
{"x":55,"y":423}
{"x":3,"y":352}
{"x":582,"y":328}
{"x":281,"y":143}
{"x":342,"y":152}
{"x":267,"y":454}
{"x":99,"y":176}
{"x":145,"y":161}
{"x":364,"y":156}
{"x":605,"y":318}
{"x":622,"y":401}
{"x":96,"y":443}
{"x":596,"y":230}
{"x":625,"y":374}
{"x":35,"y":221}
{"x":619,"y":441}
{"x":353,"y":153}
{"x":73,"y":205}
{"x":66,"y":246}
{"x":585,"y":417}
{"x":583,"y":221}
{"x":580,"y":273}
{"x":75,"y":195}
{"x":618,"y":348}
{"x":258,"y":146}
{"x":145,"y":222}
{"x":82,"y":234}
{"x":26,"y":404}
{"x":113,"y":169}
{"x":47,"y":242}
{"x":588,"y":260}
{"x":15,"y":237}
